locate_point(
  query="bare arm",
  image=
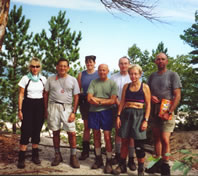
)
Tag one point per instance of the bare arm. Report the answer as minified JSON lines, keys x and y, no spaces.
{"x":73,"y":114}
{"x":176,"y":99}
{"x":147,"y":95}
{"x":121,"y":106}
{"x":20,"y":102}
{"x":79,"y":79}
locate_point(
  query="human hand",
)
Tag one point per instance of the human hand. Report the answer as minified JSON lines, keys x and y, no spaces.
{"x":20,"y":115}
{"x":144,"y":125}
{"x":166,"y":116}
{"x":154,"y":99}
{"x":71,"y":117}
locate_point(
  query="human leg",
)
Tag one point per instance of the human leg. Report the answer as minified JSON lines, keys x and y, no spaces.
{"x":131,"y":163}
{"x":165,"y":168}
{"x":97,"y":144}
{"x":37,"y":126}
{"x":121,"y":168}
{"x":107,"y":138}
{"x":115,"y":160}
{"x":86,"y":139}
{"x":56,"y":141}
{"x":72,"y":141}
{"x":157,"y":141}
{"x":140,"y":153}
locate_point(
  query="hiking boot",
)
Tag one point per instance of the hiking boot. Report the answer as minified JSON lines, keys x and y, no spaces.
{"x":165,"y":169}
{"x":131,"y":164}
{"x":121,"y":168}
{"x":58,"y":158}
{"x":85,"y":152}
{"x":98,"y":162}
{"x":74,"y":161}
{"x":116,"y":159}
{"x":108,"y":167}
{"x":21,"y":160}
{"x":35,"y":156}
{"x":156,"y":168}
{"x":140,"y":169}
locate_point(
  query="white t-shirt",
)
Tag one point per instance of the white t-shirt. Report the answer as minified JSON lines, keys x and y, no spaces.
{"x":35,"y":89}
{"x":120,"y":80}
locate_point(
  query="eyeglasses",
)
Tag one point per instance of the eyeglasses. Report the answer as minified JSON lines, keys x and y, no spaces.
{"x":35,"y":66}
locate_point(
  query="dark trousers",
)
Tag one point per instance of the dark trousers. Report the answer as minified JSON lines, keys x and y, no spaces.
{"x":33,"y":118}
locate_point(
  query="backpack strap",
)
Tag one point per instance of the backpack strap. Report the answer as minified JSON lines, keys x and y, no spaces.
{"x":25,"y":92}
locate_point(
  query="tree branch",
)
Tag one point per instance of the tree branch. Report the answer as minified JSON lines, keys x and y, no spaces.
{"x":140,"y":7}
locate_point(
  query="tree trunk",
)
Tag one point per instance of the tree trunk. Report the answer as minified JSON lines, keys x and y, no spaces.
{"x":4,"y":10}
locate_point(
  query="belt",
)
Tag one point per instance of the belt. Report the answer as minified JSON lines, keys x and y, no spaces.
{"x":60,"y":104}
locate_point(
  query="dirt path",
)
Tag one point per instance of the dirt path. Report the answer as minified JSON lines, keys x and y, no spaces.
{"x":47,"y":154}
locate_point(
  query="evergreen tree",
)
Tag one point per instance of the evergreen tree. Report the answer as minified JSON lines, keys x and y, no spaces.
{"x":61,"y":42}
{"x":15,"y":57}
{"x":191,"y":37}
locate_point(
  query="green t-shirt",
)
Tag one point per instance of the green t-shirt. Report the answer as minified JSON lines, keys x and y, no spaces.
{"x":102,"y":89}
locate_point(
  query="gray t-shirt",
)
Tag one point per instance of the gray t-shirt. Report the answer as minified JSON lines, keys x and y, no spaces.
{"x":163,"y":85}
{"x":62,"y":89}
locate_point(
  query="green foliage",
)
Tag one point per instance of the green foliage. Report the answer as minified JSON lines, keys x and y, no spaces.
{"x":186,"y":163}
{"x":190,"y":36}
{"x":14,"y":59}
{"x":190,"y":123}
{"x":61,"y":42}
{"x":152,"y":161}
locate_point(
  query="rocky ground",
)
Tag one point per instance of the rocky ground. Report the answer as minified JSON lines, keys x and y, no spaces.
{"x":9,"y":145}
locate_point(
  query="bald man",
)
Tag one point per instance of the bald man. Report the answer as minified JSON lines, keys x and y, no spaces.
{"x":164,"y":84}
{"x":102,"y":94}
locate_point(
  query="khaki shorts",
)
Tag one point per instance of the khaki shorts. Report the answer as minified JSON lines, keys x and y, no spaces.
{"x":58,"y":113}
{"x":157,"y":122}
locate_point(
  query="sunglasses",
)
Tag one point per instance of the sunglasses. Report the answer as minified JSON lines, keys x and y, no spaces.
{"x":35,"y":66}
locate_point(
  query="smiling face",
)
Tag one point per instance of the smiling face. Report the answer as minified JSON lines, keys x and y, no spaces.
{"x":35,"y":67}
{"x":103,"y":71}
{"x":90,"y":64}
{"x":135,"y":73}
{"x":62,"y":68}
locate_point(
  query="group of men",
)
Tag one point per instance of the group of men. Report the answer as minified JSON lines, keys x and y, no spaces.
{"x":104,"y":95}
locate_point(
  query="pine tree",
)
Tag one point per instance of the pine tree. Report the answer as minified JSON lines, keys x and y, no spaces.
{"x":15,"y":55}
{"x":191,"y":37}
{"x":60,"y":43}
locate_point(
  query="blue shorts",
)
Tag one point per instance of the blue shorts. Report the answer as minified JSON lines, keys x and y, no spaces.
{"x":101,"y":120}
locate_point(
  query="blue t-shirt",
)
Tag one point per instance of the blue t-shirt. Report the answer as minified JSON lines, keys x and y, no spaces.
{"x":86,"y":78}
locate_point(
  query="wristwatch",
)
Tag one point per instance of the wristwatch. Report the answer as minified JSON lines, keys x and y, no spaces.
{"x":146,"y":119}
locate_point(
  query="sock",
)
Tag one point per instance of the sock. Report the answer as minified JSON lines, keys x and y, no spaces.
{"x":73,"y":151}
{"x":131,"y":151}
{"x":98,"y":151}
{"x":109,"y":155}
{"x":57,"y":150}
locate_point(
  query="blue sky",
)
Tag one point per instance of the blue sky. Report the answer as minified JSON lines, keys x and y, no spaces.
{"x":109,"y":36}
